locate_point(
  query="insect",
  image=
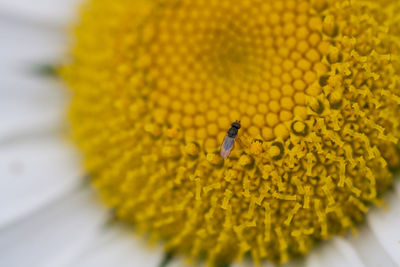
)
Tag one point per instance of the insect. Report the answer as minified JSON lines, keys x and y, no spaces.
{"x":229,"y":139}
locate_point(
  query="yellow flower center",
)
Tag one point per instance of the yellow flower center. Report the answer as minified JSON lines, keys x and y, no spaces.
{"x":214,"y":63}
{"x":315,"y":83}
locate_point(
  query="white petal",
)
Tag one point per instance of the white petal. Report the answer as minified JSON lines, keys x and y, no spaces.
{"x":29,"y":102}
{"x":334,"y":253}
{"x":33,"y":173}
{"x":385,"y":224}
{"x":24,"y":44}
{"x":58,"y":12}
{"x":368,"y":248}
{"x":117,"y":247}
{"x":54,"y":235}
{"x":31,"y":112}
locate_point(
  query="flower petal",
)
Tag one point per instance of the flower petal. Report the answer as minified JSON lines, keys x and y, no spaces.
{"x":24,"y":44}
{"x":336,"y":252}
{"x":116,"y":247}
{"x":370,"y":251}
{"x":385,"y":223}
{"x":58,"y":12}
{"x":28,"y":113}
{"x":28,"y":102}
{"x":34,"y":173}
{"x":54,"y":235}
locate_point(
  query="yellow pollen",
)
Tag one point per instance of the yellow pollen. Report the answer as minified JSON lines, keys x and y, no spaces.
{"x":256,"y":147}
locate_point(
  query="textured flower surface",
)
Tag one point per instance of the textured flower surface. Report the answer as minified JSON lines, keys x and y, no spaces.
{"x":315,"y":85}
{"x":48,"y":218}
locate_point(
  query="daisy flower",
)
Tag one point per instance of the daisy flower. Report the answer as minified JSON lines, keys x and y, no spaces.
{"x":152,"y":87}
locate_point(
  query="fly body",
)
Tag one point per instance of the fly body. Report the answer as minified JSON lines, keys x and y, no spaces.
{"x":229,"y":139}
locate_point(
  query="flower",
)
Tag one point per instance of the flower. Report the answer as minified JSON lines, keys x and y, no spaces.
{"x":53,"y":223}
{"x":156,"y":85}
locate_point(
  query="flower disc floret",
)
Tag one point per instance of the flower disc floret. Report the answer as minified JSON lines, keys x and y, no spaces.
{"x":315,"y":85}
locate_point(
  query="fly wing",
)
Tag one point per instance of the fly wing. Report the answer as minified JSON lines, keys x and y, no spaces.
{"x":227,"y":146}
